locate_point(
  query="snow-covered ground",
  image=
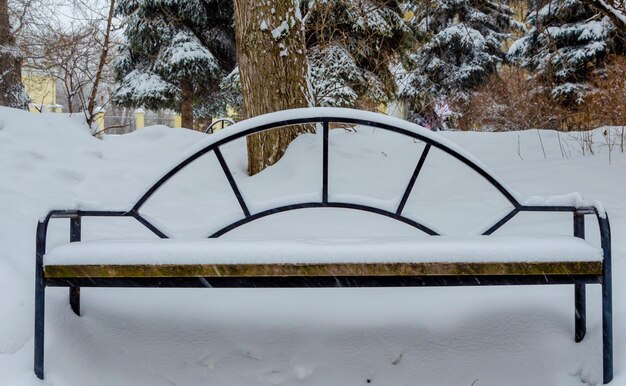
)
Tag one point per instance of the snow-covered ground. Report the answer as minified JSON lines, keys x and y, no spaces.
{"x":347,"y":336}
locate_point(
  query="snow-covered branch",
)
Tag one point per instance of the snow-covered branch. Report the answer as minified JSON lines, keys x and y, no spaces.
{"x":615,"y":13}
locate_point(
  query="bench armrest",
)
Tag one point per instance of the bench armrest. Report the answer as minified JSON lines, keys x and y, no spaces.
{"x":75,"y":213}
{"x":42,"y":225}
{"x":605,"y":238}
{"x":604,"y":227}
{"x":596,"y":209}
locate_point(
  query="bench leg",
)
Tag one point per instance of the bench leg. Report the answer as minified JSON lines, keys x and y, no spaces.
{"x":75,"y":299}
{"x":75,"y":235}
{"x":607,"y":331}
{"x":40,"y":307}
{"x":580,"y":301}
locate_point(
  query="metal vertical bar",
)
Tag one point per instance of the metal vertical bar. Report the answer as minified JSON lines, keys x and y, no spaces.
{"x":416,"y":172}
{"x":231,"y":181}
{"x":75,"y":233}
{"x":147,"y":224}
{"x":501,"y":222}
{"x":580,"y":299}
{"x":325,"y":163}
{"x":40,"y":297}
{"x":607,"y":300}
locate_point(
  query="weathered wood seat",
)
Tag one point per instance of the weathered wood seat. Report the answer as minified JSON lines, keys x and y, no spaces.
{"x":420,"y":256}
{"x":442,"y":260}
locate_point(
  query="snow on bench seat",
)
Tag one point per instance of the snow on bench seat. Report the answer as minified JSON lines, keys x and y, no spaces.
{"x":441,"y":255}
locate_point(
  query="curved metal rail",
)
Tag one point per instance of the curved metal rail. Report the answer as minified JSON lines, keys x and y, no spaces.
{"x":222,"y":123}
{"x":416,"y":133}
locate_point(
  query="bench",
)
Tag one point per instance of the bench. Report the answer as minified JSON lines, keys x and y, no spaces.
{"x":444,"y":260}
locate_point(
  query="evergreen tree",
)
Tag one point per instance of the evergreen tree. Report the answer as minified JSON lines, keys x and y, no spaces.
{"x":176,"y":54}
{"x":568,"y":43}
{"x":462,"y":46}
{"x":351,"y":47}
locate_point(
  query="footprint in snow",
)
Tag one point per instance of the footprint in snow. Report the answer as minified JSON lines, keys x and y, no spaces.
{"x":94,"y":153}
{"x":584,"y":376}
{"x":36,"y":155}
{"x":250,"y":354}
{"x":207,"y":361}
{"x":70,"y":175}
{"x":274,"y":377}
{"x":302,"y":371}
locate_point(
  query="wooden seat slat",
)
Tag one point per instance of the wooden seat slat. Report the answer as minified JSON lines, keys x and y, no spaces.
{"x":332,"y":269}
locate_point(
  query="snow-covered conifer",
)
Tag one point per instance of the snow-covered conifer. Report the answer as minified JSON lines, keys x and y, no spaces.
{"x":567,"y":43}
{"x":176,"y":54}
{"x":335,"y":76}
{"x":351,"y":46}
{"x":463,"y":45}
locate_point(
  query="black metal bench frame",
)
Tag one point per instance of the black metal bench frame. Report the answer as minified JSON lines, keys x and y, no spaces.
{"x":221,"y":122}
{"x":578,"y":214}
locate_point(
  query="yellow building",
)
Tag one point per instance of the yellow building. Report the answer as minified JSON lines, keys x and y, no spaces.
{"x":394,"y":108}
{"x":41,"y":88}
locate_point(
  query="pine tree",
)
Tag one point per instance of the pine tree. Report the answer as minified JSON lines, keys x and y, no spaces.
{"x":176,"y":54}
{"x":351,"y":47}
{"x":462,"y":47}
{"x":568,"y":43}
{"x":12,"y":93}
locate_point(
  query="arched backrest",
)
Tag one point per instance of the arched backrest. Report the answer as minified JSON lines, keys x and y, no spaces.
{"x":323,"y":118}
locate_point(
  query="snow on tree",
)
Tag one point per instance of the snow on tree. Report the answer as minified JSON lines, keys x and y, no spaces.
{"x":333,"y":75}
{"x":463,"y":46}
{"x":176,"y":54}
{"x":614,"y":9}
{"x":351,"y":47}
{"x":568,"y":42}
{"x":231,"y":87}
{"x":12,"y":93}
{"x":337,"y":80}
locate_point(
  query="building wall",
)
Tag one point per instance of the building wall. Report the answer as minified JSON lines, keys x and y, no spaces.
{"x":395,"y":109}
{"x":41,"y":89}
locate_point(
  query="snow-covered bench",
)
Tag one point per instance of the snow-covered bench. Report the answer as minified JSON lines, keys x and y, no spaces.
{"x":443,"y":260}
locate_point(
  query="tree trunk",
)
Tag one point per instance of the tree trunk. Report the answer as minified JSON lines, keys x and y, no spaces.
{"x":91,"y":104}
{"x":12,"y":93}
{"x":271,"y":54}
{"x":186,"y":103}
